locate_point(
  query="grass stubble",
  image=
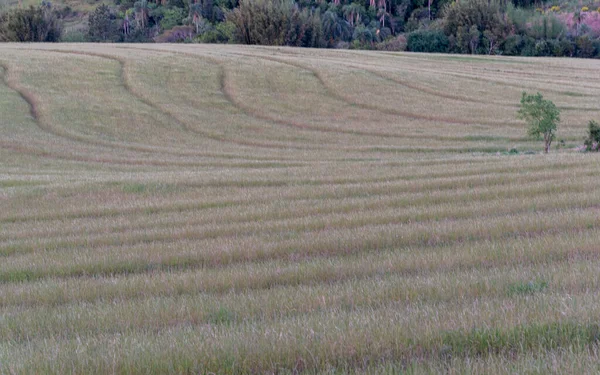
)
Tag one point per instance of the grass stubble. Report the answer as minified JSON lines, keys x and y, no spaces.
{"x":193,"y":209}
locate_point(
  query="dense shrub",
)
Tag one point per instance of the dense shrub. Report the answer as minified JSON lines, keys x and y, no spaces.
{"x":546,"y":26}
{"x":102,"y":25}
{"x":543,"y":48}
{"x":592,"y":142}
{"x":39,"y":24}
{"x":564,"y":48}
{"x":584,"y":47}
{"x":221,"y":33}
{"x":171,"y":18}
{"x":427,"y":41}
{"x":335,"y":29}
{"x":512,"y":45}
{"x":469,"y":22}
{"x":276,"y":22}
{"x":393,"y":44}
{"x":364,"y":37}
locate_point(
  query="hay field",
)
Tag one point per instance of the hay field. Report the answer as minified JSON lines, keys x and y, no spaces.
{"x":249,"y":210}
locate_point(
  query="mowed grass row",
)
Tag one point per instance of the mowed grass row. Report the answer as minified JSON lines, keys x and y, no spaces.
{"x":574,"y":211}
{"x":194,"y":209}
{"x":429,"y":262}
{"x":153,"y":197}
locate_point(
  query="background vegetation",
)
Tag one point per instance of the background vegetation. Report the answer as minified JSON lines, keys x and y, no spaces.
{"x":517,"y":27}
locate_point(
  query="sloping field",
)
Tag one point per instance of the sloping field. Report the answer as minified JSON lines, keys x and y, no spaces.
{"x":232,"y":210}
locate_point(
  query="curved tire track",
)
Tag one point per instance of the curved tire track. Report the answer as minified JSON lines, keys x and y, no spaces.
{"x":373,"y":107}
{"x":170,"y":114}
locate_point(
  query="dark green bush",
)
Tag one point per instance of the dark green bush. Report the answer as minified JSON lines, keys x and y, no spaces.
{"x":39,"y":24}
{"x":512,"y":45}
{"x":102,"y":25}
{"x":585,"y":47}
{"x":528,"y":48}
{"x":222,"y":33}
{"x":564,"y":48}
{"x":592,"y":142}
{"x":460,"y":19}
{"x":335,"y":28}
{"x":276,"y":22}
{"x":427,"y":41}
{"x":171,"y":18}
{"x":543,"y":48}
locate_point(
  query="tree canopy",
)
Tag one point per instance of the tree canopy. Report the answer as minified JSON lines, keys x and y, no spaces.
{"x":542,"y":117}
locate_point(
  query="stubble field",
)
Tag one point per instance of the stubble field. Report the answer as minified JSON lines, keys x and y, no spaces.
{"x":233,"y":210}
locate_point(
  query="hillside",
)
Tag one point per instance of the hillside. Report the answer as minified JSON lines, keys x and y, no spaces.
{"x":228,"y":209}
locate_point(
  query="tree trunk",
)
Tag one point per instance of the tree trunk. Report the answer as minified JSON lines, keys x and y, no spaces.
{"x":547,"y":143}
{"x":429,"y":9}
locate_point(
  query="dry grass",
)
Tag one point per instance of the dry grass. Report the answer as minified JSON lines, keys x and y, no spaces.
{"x":202,"y":209}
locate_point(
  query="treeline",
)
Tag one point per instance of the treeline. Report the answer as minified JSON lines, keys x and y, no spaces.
{"x":465,"y":26}
{"x":494,"y":27}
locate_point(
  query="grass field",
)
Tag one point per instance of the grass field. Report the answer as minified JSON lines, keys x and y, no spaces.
{"x":233,"y":210}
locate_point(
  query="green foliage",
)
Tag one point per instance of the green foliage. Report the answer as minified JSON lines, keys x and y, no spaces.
{"x":523,"y":288}
{"x":276,"y":22}
{"x":171,"y":18}
{"x":592,"y":142}
{"x":310,"y":30}
{"x":222,"y":33}
{"x":543,"y":48}
{"x":39,"y":24}
{"x":222,"y":317}
{"x":335,"y":28}
{"x":542,"y":117}
{"x":102,"y":25}
{"x":134,"y":188}
{"x":512,"y":45}
{"x":546,"y":26}
{"x":585,"y":47}
{"x":206,"y":9}
{"x":478,"y":342}
{"x":364,"y":36}
{"x":468,"y":26}
{"x":466,"y":22}
{"x":563,"y":48}
{"x":519,"y":18}
{"x":427,"y":41}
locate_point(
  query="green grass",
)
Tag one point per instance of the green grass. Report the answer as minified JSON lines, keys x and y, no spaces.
{"x":529,"y":287}
{"x":254,"y":210}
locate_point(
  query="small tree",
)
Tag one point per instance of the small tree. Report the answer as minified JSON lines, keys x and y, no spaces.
{"x":541,"y":115}
{"x":592,"y":142}
{"x":102,"y":25}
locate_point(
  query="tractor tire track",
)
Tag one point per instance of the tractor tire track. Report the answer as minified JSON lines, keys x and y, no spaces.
{"x":229,"y":93}
{"x":406,"y":114}
{"x":184,"y":126}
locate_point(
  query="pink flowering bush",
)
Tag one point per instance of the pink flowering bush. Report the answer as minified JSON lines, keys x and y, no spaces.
{"x":589,"y":22}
